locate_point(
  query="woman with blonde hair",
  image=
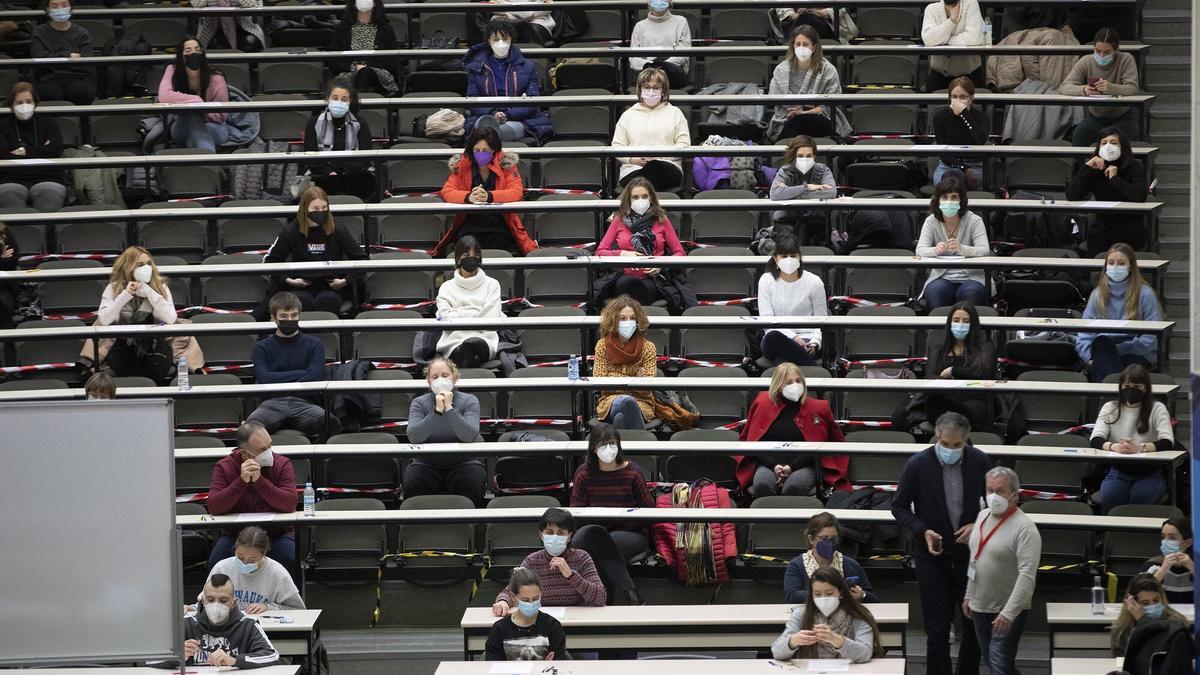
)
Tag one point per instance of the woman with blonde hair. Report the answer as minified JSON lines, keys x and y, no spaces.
{"x":653,"y":122}
{"x":137,"y":294}
{"x":786,"y":413}
{"x":624,"y":351}
{"x":1120,"y":295}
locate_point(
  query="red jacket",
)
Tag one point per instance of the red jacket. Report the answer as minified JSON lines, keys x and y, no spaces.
{"x":815,"y":420}
{"x":723,"y":536}
{"x":509,"y":188}
{"x":275,"y":491}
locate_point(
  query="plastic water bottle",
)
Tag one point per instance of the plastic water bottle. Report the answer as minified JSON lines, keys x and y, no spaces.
{"x":573,"y":368}
{"x":182,"y":373}
{"x":1097,"y":597}
{"x":987,"y":32}
{"x":310,"y":501}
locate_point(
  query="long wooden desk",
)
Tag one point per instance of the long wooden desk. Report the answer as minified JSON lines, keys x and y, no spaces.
{"x":1072,"y":625}
{"x":674,"y":667}
{"x":292,"y":631}
{"x":708,"y":627}
{"x":1096,"y":666}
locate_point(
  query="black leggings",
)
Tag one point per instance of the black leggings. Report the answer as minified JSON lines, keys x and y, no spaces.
{"x":610,"y":559}
{"x":677,"y":77}
{"x":360,"y":184}
{"x":472,"y":353}
{"x":779,"y":348}
{"x":8,"y":305}
{"x":817,"y":126}
{"x":642,"y":289}
{"x":125,"y":360}
{"x":818,"y":23}
{"x":664,"y":176}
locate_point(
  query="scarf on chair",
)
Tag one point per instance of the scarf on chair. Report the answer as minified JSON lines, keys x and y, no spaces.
{"x":694,"y":538}
{"x":642,"y":228}
{"x":840,"y":623}
{"x":621,"y":354}
{"x":324,"y":129}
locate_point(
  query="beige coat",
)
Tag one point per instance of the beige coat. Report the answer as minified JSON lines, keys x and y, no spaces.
{"x":1006,"y":72}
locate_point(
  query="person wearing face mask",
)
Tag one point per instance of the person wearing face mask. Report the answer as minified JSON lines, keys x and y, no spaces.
{"x":63,"y":39}
{"x":469,"y":294}
{"x":624,"y":351}
{"x":27,"y":135}
{"x":954,"y":23}
{"x":1105,"y":72}
{"x":496,"y":68}
{"x":1005,"y":551}
{"x":1145,"y":603}
{"x":639,"y":228}
{"x":241,"y":32}
{"x":261,"y":583}
{"x":253,"y":479}
{"x":961,"y":123}
{"x":290,"y":356}
{"x":938,"y":500}
{"x":486,"y":174}
{"x":365,"y":27}
{"x":822,"y":534}
{"x":1121,"y":294}
{"x":137,"y":294}
{"x":952,"y":231}
{"x":662,"y":30}
{"x":1115,"y":175}
{"x":802,"y":177}
{"x":566,"y":574}
{"x":189,"y":79}
{"x":652,"y":122}
{"x":314,"y":236}
{"x":608,"y":479}
{"x":806,"y":72}
{"x":787,"y":413}
{"x":220,"y":634}
{"x":1174,"y":567}
{"x":524,"y":633}
{"x":831,"y":624}
{"x":338,"y":129}
{"x":1133,"y":424}
{"x":787,"y":290}
{"x":444,"y":415}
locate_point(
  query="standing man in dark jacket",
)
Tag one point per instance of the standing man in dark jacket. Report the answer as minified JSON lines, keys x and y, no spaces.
{"x":938,"y":500}
{"x":496,"y":68}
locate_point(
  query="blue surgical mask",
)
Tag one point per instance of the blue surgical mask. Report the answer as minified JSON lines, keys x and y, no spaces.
{"x":960,"y":331}
{"x":949,"y":455}
{"x":1103,"y":60}
{"x":627,"y":328}
{"x":529,"y":609}
{"x":246,"y":568}
{"x":1154,"y":611}
{"x":61,"y":14}
{"x":949,"y":208}
{"x":659,"y":5}
{"x":1169,"y":546}
{"x":339,"y":108}
{"x":826,"y":548}
{"x":1117,"y":273}
{"x":555,"y":543}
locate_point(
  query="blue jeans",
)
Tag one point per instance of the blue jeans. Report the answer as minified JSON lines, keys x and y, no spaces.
{"x":999,"y":653}
{"x":1106,"y":360}
{"x":191,"y":130}
{"x":1121,"y":487}
{"x":972,"y":167}
{"x":943,"y":293}
{"x":283,"y":551}
{"x":624,"y":413}
{"x":509,"y":131}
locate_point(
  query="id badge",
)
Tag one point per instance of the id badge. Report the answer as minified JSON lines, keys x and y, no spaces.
{"x":971,"y":571}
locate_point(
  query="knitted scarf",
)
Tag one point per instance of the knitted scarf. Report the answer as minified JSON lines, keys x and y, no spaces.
{"x":642,"y":228}
{"x":840,"y":623}
{"x":324,"y":129}
{"x":695,"y":538}
{"x":619,"y":353}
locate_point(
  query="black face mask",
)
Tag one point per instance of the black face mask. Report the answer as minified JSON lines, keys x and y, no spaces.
{"x":195,"y":60}
{"x":1132,"y":396}
{"x":288,"y":327}
{"x":318,"y":217}
{"x":470,"y":263}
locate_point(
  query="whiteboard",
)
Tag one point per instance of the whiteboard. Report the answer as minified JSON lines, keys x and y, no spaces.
{"x":89,"y":561}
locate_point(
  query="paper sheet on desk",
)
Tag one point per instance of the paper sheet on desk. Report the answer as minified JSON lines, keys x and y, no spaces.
{"x":1098,"y":204}
{"x":511,"y":668}
{"x":556,"y":612}
{"x":255,"y":516}
{"x":828,"y":665}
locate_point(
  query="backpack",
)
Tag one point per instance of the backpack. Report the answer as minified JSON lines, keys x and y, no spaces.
{"x":1039,"y":229}
{"x":569,"y":25}
{"x":878,"y":229}
{"x":866,"y":537}
{"x":126,"y":80}
{"x":1162,"y":647}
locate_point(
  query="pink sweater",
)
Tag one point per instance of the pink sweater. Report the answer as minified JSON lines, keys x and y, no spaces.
{"x":619,"y":238}
{"x":583,"y":587}
{"x":218,"y":91}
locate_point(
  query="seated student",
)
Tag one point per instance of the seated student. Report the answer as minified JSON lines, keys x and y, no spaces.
{"x":526,"y":634}
{"x":243,"y":32}
{"x":1106,"y":72}
{"x":954,"y":23}
{"x":564,"y":572}
{"x":951,"y":230}
{"x":624,"y":351}
{"x":26,"y":135}
{"x":801,"y":177}
{"x":536,"y":26}
{"x":485,"y":174}
{"x":640,"y":227}
{"x":652,"y":122}
{"x":1134,"y":424}
{"x":1145,"y":602}
{"x":961,"y":123}
{"x":219,"y":634}
{"x":136,"y":294}
{"x":607,"y":479}
{"x":831,"y":624}
{"x":496,"y":68}
{"x":314,"y":236}
{"x":444,"y":415}
{"x":60,"y":38}
{"x":339,"y":128}
{"x":260,"y":582}
{"x":1113,"y":175}
{"x":786,"y":413}
{"x":806,"y":71}
{"x":290,"y":356}
{"x":365,"y":27}
{"x":1121,"y":294}
{"x":100,"y":387}
{"x":662,"y":30}
{"x":469,"y":294}
{"x":190,"y":80}
{"x":787,"y":290}
{"x":1174,"y":567}
{"x":823,"y":533}
{"x":253,"y":479}
{"x":819,"y":19}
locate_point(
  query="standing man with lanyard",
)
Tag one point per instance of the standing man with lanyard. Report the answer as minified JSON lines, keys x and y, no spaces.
{"x":937,"y":500}
{"x":1005,"y":550}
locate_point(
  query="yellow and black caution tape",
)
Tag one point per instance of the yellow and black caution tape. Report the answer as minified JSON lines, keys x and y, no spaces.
{"x":393,"y":557}
{"x":768,"y":558}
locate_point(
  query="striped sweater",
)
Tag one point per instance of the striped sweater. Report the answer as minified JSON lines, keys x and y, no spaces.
{"x":583,"y":587}
{"x":623,"y":488}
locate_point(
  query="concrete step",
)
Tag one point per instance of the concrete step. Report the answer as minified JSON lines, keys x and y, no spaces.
{"x":1174,"y":245}
{"x":1172,"y":168}
{"x":1171,"y":117}
{"x":1178,"y":141}
{"x":1169,"y":46}
{"x":1177,"y":279}
{"x":1170,"y":94}
{"x":1167,"y":70}
{"x":1167,"y":22}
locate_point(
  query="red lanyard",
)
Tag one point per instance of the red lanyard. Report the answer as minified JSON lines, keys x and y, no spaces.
{"x":984,"y":539}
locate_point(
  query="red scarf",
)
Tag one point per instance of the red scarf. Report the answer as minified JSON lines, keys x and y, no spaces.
{"x":621,"y":354}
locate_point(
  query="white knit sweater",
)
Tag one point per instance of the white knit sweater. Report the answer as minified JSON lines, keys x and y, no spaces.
{"x":476,"y":297}
{"x":668,"y":31}
{"x":663,"y":126}
{"x":802,"y":297}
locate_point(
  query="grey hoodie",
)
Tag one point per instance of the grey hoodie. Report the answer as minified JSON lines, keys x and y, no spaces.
{"x":240,"y":636}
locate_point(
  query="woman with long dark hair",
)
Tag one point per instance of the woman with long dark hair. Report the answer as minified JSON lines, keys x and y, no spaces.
{"x":1113,"y":174}
{"x":831,"y":624}
{"x":485,"y":174}
{"x":1133,"y":424}
{"x":189,"y":79}
{"x":339,"y":128}
{"x":787,"y":289}
{"x":953,"y":231}
{"x":469,"y":294}
{"x":962,"y":352}
{"x":364,"y":28}
{"x":1174,"y":566}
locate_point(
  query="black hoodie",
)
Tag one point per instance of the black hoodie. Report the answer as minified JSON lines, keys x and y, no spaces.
{"x":240,"y":636}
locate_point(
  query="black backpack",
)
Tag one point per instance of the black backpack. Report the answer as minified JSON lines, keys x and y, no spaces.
{"x":866,"y":538}
{"x":1039,"y":229}
{"x":126,"y":80}
{"x":1163,"y":647}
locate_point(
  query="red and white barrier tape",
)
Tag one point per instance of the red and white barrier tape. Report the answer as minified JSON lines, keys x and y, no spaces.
{"x":1023,"y":364}
{"x":204,"y":309}
{"x":209,"y":430}
{"x":400,"y":249}
{"x":16,"y":370}
{"x":696,"y":244}
{"x":66,"y":256}
{"x":548,"y":364}
{"x":724,"y":303}
{"x":543,"y":191}
{"x":851,"y":300}
{"x":733,"y":426}
{"x":233,"y":367}
{"x":847,"y":364}
{"x":392,"y":365}
{"x":526,"y":490}
{"x":415,"y":305}
{"x":86,"y":316}
{"x":191,"y":498}
{"x":209,"y":198}
{"x":527,"y":421}
{"x":698,"y":362}
{"x":874,"y":424}
{"x":529,"y":304}
{"x":1064,"y":432}
{"x":356,"y":491}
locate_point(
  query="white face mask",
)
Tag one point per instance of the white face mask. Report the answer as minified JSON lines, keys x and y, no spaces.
{"x":23,"y":111}
{"x":803,"y":53}
{"x":827,"y":605}
{"x":500,"y":48}
{"x":788,"y":265}
{"x":266,"y":458}
{"x":441,"y":385}
{"x":607,"y":453}
{"x":627,"y":328}
{"x":997,"y":504}
{"x":364,"y":5}
{"x":216,"y":612}
{"x":640,"y":206}
{"x":805,"y":164}
{"x":1110,"y":152}
{"x":143,"y":274}
{"x":794,"y":391}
